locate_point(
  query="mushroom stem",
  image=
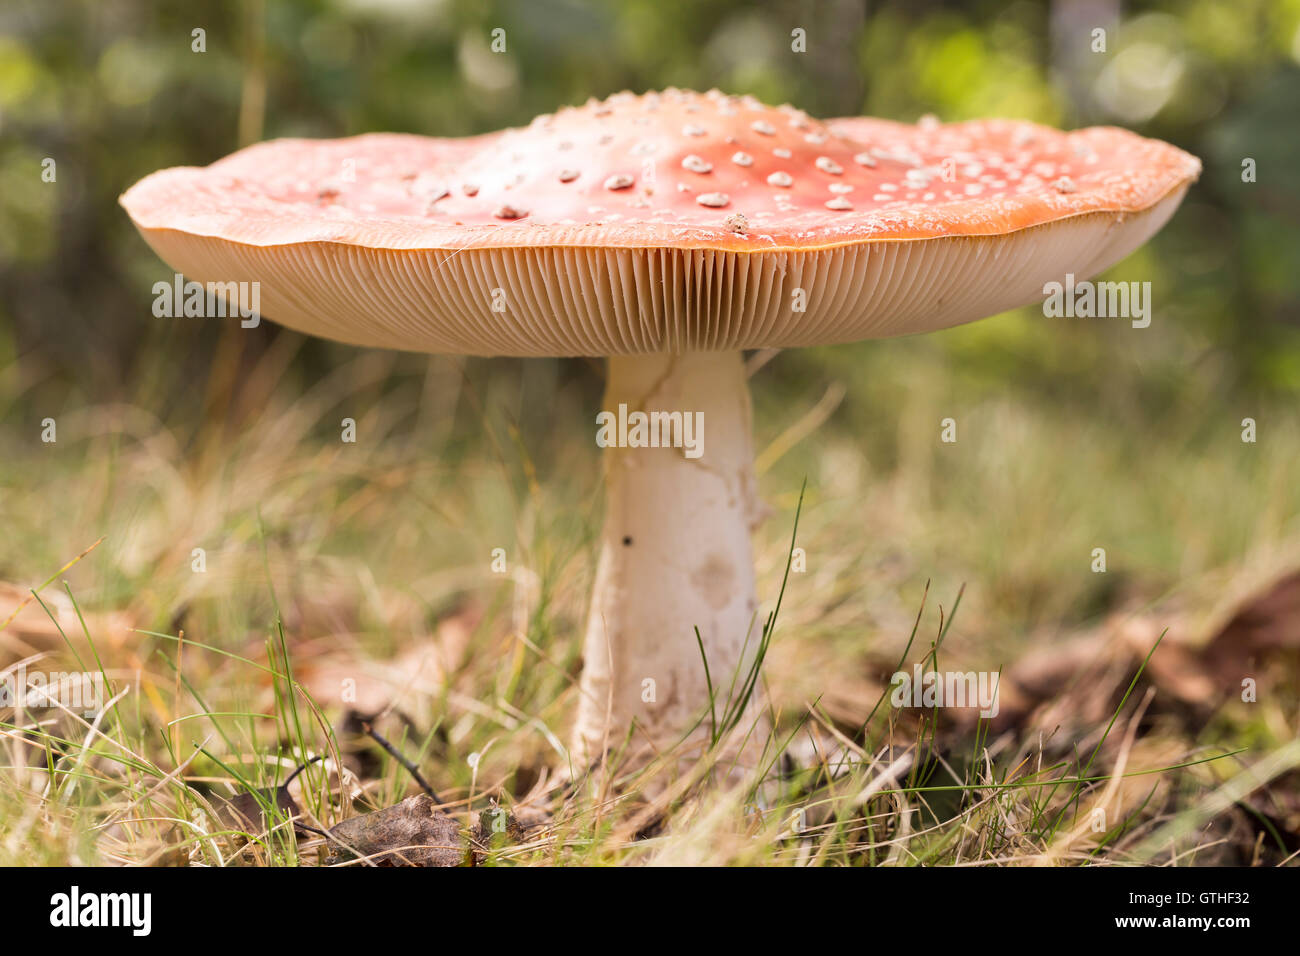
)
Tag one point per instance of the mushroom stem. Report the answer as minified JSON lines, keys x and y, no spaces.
{"x":675,"y":556}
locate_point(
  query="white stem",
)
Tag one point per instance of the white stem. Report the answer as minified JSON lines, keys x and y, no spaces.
{"x":675,"y":555}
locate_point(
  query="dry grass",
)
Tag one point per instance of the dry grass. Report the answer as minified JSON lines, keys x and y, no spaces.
{"x":329,"y":563}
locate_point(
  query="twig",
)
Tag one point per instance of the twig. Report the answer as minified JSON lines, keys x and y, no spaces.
{"x":393,"y":752}
{"x":301,"y":768}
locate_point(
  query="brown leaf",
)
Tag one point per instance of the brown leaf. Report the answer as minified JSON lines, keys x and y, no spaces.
{"x":32,"y":630}
{"x":413,"y":833}
{"x":1279,"y":801}
{"x":244,"y":811}
{"x":1263,"y":625}
{"x":1175,"y":668}
{"x":348,"y":677}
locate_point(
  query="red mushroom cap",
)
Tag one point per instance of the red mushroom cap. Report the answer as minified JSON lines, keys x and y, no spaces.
{"x":616,"y":198}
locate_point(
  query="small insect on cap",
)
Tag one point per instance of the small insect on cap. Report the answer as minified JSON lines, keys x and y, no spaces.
{"x":670,"y":221}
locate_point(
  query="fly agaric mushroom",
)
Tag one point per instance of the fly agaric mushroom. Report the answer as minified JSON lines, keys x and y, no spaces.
{"x":666,"y":232}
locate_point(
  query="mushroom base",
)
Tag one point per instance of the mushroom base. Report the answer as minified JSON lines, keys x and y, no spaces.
{"x":675,"y":556}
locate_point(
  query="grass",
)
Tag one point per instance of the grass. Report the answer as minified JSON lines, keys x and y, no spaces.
{"x":361,"y":576}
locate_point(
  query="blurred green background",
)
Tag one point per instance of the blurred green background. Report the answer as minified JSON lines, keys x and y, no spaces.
{"x":111,"y":90}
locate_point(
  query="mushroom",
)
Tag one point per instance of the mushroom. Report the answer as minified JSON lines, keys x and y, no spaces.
{"x":666,"y":232}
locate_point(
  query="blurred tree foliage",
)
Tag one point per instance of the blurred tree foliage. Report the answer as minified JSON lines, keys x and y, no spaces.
{"x":112,"y":90}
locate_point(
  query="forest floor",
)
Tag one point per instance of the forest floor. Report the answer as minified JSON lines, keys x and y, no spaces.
{"x":257,"y":593}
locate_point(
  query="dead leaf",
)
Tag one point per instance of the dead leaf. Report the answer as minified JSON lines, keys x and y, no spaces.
{"x":32,"y":631}
{"x":245,"y":811}
{"x":413,"y":833}
{"x":1279,"y":801}
{"x":371,"y":686}
{"x":1262,"y":626}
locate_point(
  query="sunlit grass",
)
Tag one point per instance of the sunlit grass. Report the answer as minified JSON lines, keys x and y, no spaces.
{"x":327,"y":562}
